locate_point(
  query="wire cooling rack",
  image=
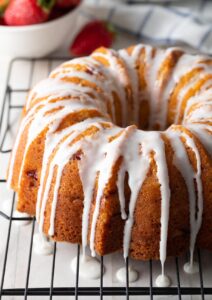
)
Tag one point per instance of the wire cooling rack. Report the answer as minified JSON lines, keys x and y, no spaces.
{"x":75,"y":291}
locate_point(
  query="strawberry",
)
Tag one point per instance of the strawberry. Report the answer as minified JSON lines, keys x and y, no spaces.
{"x":67,"y":3}
{"x":3,"y":6}
{"x":95,"y":34}
{"x":28,"y":12}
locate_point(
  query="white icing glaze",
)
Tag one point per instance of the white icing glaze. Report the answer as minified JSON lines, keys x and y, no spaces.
{"x":90,"y":267}
{"x":183,"y":164}
{"x":163,"y":281}
{"x":195,"y":221}
{"x":150,"y":140}
{"x":190,"y":84}
{"x":191,"y":268}
{"x":42,"y":120}
{"x":42,"y":245}
{"x":130,"y":63}
{"x":98,"y":77}
{"x":204,"y":134}
{"x":166,"y":90}
{"x":113,"y":151}
{"x":153,"y":84}
{"x":201,"y":113}
{"x":121,"y":275}
{"x":118,"y":73}
{"x":196,"y":103}
{"x":61,"y":158}
{"x":55,"y":98}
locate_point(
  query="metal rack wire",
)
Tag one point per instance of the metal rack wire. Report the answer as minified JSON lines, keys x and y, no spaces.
{"x":74,"y":291}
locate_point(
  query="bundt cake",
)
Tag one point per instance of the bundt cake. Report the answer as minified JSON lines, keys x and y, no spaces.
{"x":114,"y":150}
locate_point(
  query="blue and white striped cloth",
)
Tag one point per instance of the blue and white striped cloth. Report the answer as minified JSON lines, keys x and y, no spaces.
{"x":168,"y":23}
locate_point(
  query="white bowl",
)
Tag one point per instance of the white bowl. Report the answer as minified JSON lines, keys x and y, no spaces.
{"x":37,"y":40}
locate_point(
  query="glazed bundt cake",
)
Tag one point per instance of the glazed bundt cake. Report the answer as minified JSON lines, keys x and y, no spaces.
{"x":114,"y":150}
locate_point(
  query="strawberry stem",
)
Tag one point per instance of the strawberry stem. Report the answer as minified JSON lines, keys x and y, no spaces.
{"x":46,"y":5}
{"x":111,"y":29}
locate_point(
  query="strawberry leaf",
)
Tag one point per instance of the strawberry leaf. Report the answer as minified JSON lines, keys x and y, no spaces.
{"x":46,"y":5}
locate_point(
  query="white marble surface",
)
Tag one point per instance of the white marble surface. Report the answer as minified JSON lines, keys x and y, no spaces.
{"x":40,"y":274}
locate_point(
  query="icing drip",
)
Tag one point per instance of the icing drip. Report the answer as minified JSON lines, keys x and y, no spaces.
{"x":60,"y":160}
{"x":136,"y":179}
{"x":38,"y":124}
{"x":132,"y":275}
{"x":197,"y":104}
{"x":42,"y":245}
{"x":163,"y":281}
{"x":105,"y":158}
{"x":112,"y":152}
{"x":191,"y":268}
{"x":206,"y":70}
{"x":153,"y":84}
{"x":98,"y":76}
{"x":197,"y":176}
{"x":87,"y":165}
{"x":204,"y":134}
{"x":166,"y":91}
{"x":184,"y":91}
{"x":118,"y":73}
{"x":184,"y":166}
{"x":39,"y":118}
{"x":52,"y":140}
{"x":163,"y":178}
{"x":130,"y":62}
{"x":90,"y":267}
{"x":201,"y":113}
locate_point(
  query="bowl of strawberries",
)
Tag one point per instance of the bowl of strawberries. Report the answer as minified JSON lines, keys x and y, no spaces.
{"x":36,"y":28}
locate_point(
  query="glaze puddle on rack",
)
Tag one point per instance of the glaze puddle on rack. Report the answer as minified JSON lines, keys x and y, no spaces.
{"x":27,"y":273}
